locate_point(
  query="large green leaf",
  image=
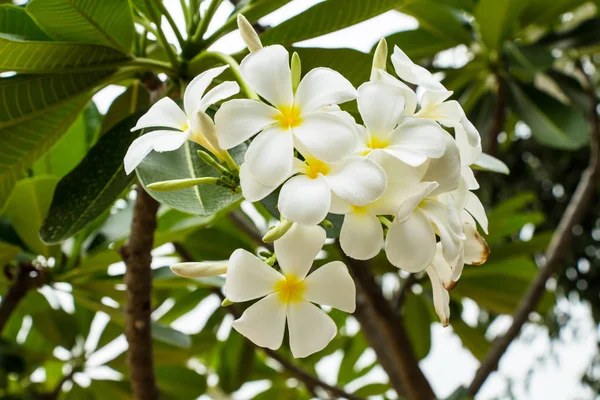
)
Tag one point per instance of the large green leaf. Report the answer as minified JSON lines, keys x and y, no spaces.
{"x":23,"y":143}
{"x":106,"y":22}
{"x":497,"y":19}
{"x":49,"y":57}
{"x":15,"y":21}
{"x":134,"y":98}
{"x":27,"y":207}
{"x":353,"y":64}
{"x":8,"y":252}
{"x":178,"y":382}
{"x":184,"y":163}
{"x":418,"y":43}
{"x":326,"y":17}
{"x":92,"y":187}
{"x":552,"y":123}
{"x":235,"y":362}
{"x":441,"y":20}
{"x":543,"y":11}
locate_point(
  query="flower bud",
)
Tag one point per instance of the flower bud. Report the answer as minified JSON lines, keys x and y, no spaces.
{"x":379,"y":58}
{"x":248,"y":34}
{"x":278,"y":231}
{"x":296,"y":71}
{"x":199,"y":269}
{"x":178,"y":184}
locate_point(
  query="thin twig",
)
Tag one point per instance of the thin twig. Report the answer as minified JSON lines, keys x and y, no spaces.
{"x":244,"y":224}
{"x":161,"y":35}
{"x":560,"y":242}
{"x":498,"y":118}
{"x":27,"y":277}
{"x":138,"y":278}
{"x":307,"y":378}
{"x":386,"y":334}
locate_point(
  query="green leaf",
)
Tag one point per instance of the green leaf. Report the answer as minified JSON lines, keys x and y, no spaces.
{"x":72,"y":147}
{"x":27,"y":207}
{"x":184,"y":163}
{"x":92,"y":187}
{"x":418,"y":43}
{"x":372,"y":389}
{"x":552,"y":123}
{"x":51,"y":57}
{"x":23,"y":143}
{"x":7,"y":253}
{"x":107,"y":22}
{"x":353,"y":349}
{"x":253,"y":12}
{"x":441,"y":20}
{"x":528,"y":59}
{"x":135,"y":98}
{"x":326,"y":17}
{"x":177,"y":382}
{"x":15,"y":21}
{"x":543,"y":12}
{"x":497,"y":20}
{"x":472,"y":338}
{"x":51,"y":323}
{"x":353,"y":64}
{"x":235,"y":362}
{"x":417,"y":322}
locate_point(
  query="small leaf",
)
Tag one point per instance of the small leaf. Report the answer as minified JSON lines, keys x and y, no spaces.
{"x":107,"y":22}
{"x":472,"y":338}
{"x":235,"y":362}
{"x":92,"y":187}
{"x":417,"y":323}
{"x":372,"y":389}
{"x":178,"y":382}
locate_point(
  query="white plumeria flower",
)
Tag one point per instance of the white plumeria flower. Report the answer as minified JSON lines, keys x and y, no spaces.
{"x":193,"y":124}
{"x":411,"y":140}
{"x":306,"y":197}
{"x":290,"y":295}
{"x":411,"y":239}
{"x":291,"y":119}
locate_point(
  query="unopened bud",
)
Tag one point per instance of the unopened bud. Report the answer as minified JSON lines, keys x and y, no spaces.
{"x":226,"y":302}
{"x":278,"y":231}
{"x":379,"y":59}
{"x":199,"y":269}
{"x":248,"y":33}
{"x":296,"y":71}
{"x":179,"y":184}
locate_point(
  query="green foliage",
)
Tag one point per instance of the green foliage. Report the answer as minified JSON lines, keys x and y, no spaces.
{"x":15,"y":21}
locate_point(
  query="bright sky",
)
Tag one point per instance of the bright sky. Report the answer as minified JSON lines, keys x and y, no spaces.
{"x":558,"y":364}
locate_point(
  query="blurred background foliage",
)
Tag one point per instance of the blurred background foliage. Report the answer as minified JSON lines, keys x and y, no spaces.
{"x":513,"y":65}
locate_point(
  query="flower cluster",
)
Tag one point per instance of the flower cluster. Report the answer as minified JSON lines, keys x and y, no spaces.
{"x":401,"y":177}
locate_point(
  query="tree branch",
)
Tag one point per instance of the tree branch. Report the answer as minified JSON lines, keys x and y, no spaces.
{"x":386,"y":334}
{"x":243,"y":223}
{"x":28,"y":277}
{"x":498,"y":117}
{"x":560,"y":242}
{"x":305,"y":377}
{"x":138,"y":278}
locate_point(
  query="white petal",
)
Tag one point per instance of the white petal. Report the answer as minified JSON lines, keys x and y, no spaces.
{"x":420,"y":136}
{"x":326,"y":136}
{"x":270,"y":156}
{"x":298,"y":248}
{"x":468,"y":153}
{"x":361,"y":236}
{"x":164,"y":112}
{"x":441,"y":298}
{"x":446,"y":169}
{"x":267,"y":71}
{"x":322,"y":87}
{"x":475,"y":248}
{"x":410,"y":244}
{"x":441,"y":266}
{"x":380,"y":107}
{"x":338,"y":205}
{"x":469,"y":178}
{"x":305,"y":200}
{"x":431,"y":98}
{"x":218,"y":93}
{"x":195,"y":90}
{"x":248,"y":277}
{"x":203,"y":131}
{"x":311,"y":329}
{"x":264,"y":322}
{"x":396,"y":170}
{"x":475,"y":208}
{"x":409,"y":157}
{"x":413,"y":73}
{"x":417,"y":194}
{"x":437,"y":213}
{"x":170,"y":140}
{"x":331,"y":285}
{"x":252,"y":189}
{"x":490,"y":163}
{"x":138,"y":150}
{"x":358,"y":180}
{"x":239,"y":119}
{"x":409,"y":95}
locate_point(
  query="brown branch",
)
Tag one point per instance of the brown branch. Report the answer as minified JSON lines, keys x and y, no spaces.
{"x":385,"y":332}
{"x":138,"y":278}
{"x":243,"y":223}
{"x":27,"y":277}
{"x":560,"y":242}
{"x":305,"y":377}
{"x":498,"y":118}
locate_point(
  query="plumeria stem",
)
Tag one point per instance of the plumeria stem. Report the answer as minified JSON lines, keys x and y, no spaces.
{"x":204,"y":156}
{"x":386,"y":222}
{"x":165,"y":12}
{"x":233,"y":167}
{"x":203,"y":26}
{"x":233,"y":65}
{"x":161,"y":35}
{"x":186,"y":13}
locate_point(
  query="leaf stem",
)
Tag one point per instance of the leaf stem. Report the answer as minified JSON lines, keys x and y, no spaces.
{"x":165,"y":12}
{"x":234,"y":66}
{"x":161,"y":35}
{"x":203,"y":26}
{"x":186,"y":12}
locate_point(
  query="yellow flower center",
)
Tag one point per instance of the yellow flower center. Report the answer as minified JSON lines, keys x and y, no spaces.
{"x":377,"y":143}
{"x":289,"y":117}
{"x":358,"y":209}
{"x":290,"y":289}
{"x":315,"y":167}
